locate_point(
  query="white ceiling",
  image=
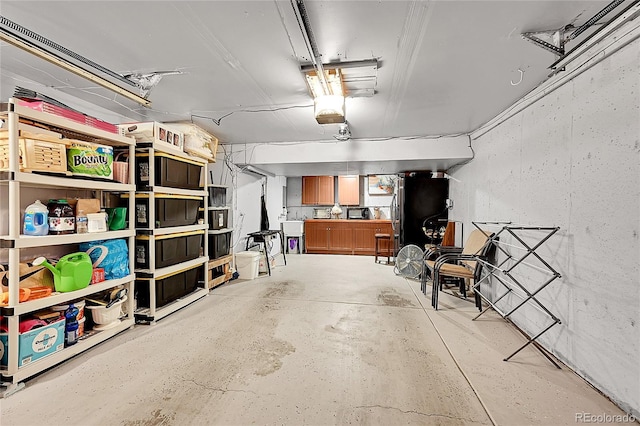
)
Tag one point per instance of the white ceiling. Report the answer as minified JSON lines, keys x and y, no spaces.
{"x":446,"y":67}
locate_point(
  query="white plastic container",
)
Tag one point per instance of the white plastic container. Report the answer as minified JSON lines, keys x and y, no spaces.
{"x":97,"y":222}
{"x":102,"y":315}
{"x":81,"y":322}
{"x":36,"y":219}
{"x":247,"y":263}
{"x":80,"y":304}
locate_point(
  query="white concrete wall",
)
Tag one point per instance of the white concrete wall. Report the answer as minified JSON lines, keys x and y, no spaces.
{"x":295,"y":209}
{"x":244,"y":198}
{"x":275,"y":206}
{"x":382,"y":201}
{"x":572,"y":160}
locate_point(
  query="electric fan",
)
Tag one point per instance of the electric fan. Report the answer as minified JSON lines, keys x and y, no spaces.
{"x":409,"y":261}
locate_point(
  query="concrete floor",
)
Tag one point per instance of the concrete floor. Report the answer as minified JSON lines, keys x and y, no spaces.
{"x":324,"y":340}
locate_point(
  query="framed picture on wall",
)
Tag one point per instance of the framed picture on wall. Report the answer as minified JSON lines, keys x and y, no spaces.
{"x":381,"y":184}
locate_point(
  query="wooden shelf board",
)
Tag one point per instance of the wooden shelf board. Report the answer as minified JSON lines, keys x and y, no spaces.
{"x":220,"y":261}
{"x":219,"y":280}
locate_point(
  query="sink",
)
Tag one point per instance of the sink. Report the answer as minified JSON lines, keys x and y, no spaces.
{"x":293,"y":228}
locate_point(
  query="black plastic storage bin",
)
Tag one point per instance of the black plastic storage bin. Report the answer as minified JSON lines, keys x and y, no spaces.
{"x":219,"y":244}
{"x":217,"y":196}
{"x":170,"y":287}
{"x":170,"y":249}
{"x":170,"y":171}
{"x":171,"y":210}
{"x":218,"y":219}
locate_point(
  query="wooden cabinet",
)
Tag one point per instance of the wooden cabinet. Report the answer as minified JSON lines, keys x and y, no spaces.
{"x":317,"y":190}
{"x":328,"y":236}
{"x":346,"y":236}
{"x":340,"y":238}
{"x":363,"y":237}
{"x":316,"y":235}
{"x":309,"y":190}
{"x":349,"y":190}
{"x":326,"y":195}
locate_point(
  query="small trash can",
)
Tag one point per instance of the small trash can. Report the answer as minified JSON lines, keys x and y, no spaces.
{"x":293,"y":245}
{"x":247,"y":263}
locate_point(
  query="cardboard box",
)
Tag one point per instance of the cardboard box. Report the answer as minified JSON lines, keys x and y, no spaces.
{"x":164,"y":135}
{"x":34,"y":344}
{"x":198,"y":141}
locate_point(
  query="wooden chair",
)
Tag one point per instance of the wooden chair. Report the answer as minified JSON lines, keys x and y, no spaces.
{"x":432,"y":251}
{"x":461,"y":265}
{"x":449,"y":237}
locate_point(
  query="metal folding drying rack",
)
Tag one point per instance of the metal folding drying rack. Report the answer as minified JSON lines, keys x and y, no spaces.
{"x":505,"y":276}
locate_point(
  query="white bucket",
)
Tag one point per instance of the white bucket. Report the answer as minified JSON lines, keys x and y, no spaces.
{"x":247,"y":263}
{"x":102,"y":315}
{"x":78,"y":304}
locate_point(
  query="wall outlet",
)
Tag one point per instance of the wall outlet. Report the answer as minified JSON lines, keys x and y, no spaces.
{"x":448,"y":203}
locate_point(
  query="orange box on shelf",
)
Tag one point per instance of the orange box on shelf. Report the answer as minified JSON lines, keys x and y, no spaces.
{"x":97,"y":276}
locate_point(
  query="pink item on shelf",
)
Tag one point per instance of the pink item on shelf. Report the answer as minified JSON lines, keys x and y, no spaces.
{"x":67,"y":113}
{"x":102,"y":125}
{"x":29,"y":325}
{"x":52,"y":109}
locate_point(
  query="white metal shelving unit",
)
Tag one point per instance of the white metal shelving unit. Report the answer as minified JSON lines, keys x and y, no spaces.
{"x":14,"y":117}
{"x":150,"y":275}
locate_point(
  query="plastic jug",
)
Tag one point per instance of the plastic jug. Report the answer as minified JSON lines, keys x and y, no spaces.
{"x":72,"y":272}
{"x":36,"y":219}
